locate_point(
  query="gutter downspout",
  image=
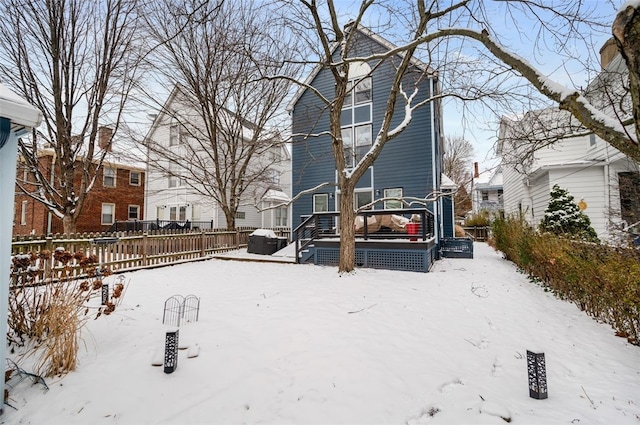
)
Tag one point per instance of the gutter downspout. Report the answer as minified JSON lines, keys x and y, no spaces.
{"x":438,"y":203}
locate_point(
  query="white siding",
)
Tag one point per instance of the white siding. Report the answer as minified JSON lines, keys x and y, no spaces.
{"x":159,"y":194}
{"x":540,"y":195}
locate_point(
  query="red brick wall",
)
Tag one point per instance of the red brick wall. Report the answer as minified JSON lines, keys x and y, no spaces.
{"x":122,"y":195}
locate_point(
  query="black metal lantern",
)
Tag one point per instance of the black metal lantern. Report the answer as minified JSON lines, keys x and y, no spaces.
{"x":105,"y":293}
{"x":537,"y":372}
{"x":171,"y":351}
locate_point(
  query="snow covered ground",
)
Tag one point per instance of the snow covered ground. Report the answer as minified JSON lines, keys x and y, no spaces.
{"x":299,"y":344}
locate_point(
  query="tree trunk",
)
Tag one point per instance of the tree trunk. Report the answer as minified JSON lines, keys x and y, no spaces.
{"x":347,"y":231}
{"x":626,"y":31}
{"x":69,"y":224}
{"x":230,"y":218}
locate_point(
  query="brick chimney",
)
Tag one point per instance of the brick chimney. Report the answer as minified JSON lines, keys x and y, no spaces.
{"x":608,"y":51}
{"x":104,"y":138}
{"x":476,"y":173}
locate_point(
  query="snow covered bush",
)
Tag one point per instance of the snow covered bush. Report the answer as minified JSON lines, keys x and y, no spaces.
{"x":563,"y":217}
{"x":46,"y":314}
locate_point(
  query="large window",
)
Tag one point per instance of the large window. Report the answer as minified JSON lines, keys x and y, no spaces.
{"x":393,"y":203}
{"x":109,"y":177}
{"x":108,"y":214}
{"x":178,"y":213}
{"x":320,"y":202}
{"x":356,"y":121}
{"x":363,"y":91}
{"x":362,"y":198}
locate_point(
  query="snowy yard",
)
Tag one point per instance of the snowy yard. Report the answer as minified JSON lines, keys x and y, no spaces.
{"x":298,"y":344}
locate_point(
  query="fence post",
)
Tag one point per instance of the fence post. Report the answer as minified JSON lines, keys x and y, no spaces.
{"x":144,"y":248}
{"x":48,"y":245}
{"x":202,"y":242}
{"x":237,"y":238}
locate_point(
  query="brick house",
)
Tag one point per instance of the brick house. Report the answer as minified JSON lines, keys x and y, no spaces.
{"x":117,"y":194}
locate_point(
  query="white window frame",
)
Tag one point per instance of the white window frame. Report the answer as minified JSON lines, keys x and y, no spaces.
{"x":281,"y":216}
{"x":106,"y":174}
{"x":359,"y":192}
{"x":175,"y":135}
{"x":137,"y":209}
{"x":174,"y":180}
{"x":315,"y":202}
{"x":393,"y":193}
{"x":131,"y":174}
{"x":365,"y":82}
{"x":102,"y":214}
{"x":352,"y":144}
{"x":273,"y":176}
{"x":23,"y":213}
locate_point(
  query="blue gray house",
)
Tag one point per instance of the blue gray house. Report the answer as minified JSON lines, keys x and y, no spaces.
{"x":409,"y":166}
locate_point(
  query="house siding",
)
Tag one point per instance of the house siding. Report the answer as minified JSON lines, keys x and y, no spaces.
{"x":122,"y":195}
{"x":406,"y":162}
{"x":199,"y":207}
{"x":588,"y":172}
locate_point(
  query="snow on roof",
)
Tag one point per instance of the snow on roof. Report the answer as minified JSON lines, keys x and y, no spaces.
{"x":489,"y":179}
{"x":447,"y":183}
{"x":275,"y":195}
{"x":18,"y":110}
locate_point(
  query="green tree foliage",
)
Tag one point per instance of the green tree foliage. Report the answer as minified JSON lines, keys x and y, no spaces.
{"x":563,"y":217}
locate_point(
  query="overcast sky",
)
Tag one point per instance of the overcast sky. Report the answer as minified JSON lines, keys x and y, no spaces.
{"x":479,"y":125}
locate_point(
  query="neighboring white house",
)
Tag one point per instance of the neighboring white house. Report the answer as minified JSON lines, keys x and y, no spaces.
{"x":603,"y":181}
{"x":174,"y":188}
{"x":487,"y":191}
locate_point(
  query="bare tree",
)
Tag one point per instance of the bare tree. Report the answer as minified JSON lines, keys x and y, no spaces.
{"x":216,"y":52}
{"x":607,"y":121}
{"x":76,"y":61}
{"x":473,"y":62}
{"x":456,"y":164}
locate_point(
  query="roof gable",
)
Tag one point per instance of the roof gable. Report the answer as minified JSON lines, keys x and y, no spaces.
{"x":369,"y":34}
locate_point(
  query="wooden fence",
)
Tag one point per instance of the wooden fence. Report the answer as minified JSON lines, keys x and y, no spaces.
{"x":127,"y":251}
{"x":477,"y":233}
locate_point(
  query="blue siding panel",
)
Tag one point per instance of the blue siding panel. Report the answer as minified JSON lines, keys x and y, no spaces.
{"x":406,"y":161}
